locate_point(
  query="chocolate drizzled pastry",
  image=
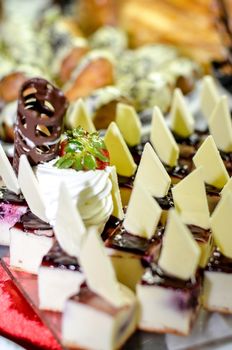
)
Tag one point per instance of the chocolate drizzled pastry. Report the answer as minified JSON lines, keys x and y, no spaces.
{"x":41,"y":108}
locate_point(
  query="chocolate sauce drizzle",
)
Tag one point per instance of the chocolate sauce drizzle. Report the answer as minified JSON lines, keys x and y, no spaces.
{"x":57,"y":258}
{"x":7,"y":196}
{"x":219,"y":262}
{"x":165,"y":202}
{"x":41,"y":108}
{"x":31,"y":223}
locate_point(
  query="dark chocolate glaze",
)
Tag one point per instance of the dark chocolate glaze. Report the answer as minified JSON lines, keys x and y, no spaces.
{"x":212,"y":190}
{"x":57,"y":258}
{"x":41,"y":108}
{"x":137,"y":150}
{"x":7,"y":196}
{"x":125,"y":241}
{"x":227,"y":159}
{"x":179,"y":171}
{"x":31,"y":223}
{"x":125,"y":181}
{"x":200,"y":234}
{"x":110,"y":226}
{"x":192,"y":140}
{"x":219,"y":262}
{"x":88,"y":297}
{"x":154,"y":276}
{"x":166,"y":202}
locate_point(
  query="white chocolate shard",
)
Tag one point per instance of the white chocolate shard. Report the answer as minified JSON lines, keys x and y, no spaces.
{"x":220,"y":125}
{"x":143,"y":213}
{"x":162,"y":139}
{"x":98,"y":269}
{"x":129,"y":124}
{"x":227,"y":188}
{"x":30,"y":188}
{"x":77,"y":115}
{"x":208,"y":157}
{"x":119,"y":152}
{"x":209,"y":96}
{"x":7,"y":173}
{"x":181,"y":119}
{"x":190,"y":200}
{"x":152,"y":174}
{"x":180,"y":253}
{"x":116,"y":197}
{"x":221,"y":223}
{"x":69,"y":228}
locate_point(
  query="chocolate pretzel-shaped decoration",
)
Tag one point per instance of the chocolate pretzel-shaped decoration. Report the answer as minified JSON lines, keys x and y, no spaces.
{"x":41,"y":108}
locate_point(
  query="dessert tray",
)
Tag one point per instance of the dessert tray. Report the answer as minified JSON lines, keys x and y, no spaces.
{"x":211,"y":331}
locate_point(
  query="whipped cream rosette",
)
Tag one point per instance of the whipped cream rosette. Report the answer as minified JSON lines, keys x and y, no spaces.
{"x":83,"y":167}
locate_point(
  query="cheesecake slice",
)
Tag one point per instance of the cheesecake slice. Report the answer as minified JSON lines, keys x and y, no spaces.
{"x":167,"y":148}
{"x":12,"y":202}
{"x":135,"y":237}
{"x":60,"y":276}
{"x":103,"y":308}
{"x":30,"y":239}
{"x":169,"y":290}
{"x":214,"y":171}
{"x":12,"y":207}
{"x":217,"y":274}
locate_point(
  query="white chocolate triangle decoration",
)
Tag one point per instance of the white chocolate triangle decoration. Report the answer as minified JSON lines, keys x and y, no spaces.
{"x":208,"y":157}
{"x":143,"y":213}
{"x":7,"y":173}
{"x":129,"y":124}
{"x":181,"y":119}
{"x":220,"y":125}
{"x":69,"y":228}
{"x":227,"y":188}
{"x":162,"y":139}
{"x":209,"y":96}
{"x":98,"y":269}
{"x":221,"y":223}
{"x":180,"y":253}
{"x":120,"y":155}
{"x":30,"y":188}
{"x":77,"y":115}
{"x":190,"y":200}
{"x":152,"y":174}
{"x":116,"y":197}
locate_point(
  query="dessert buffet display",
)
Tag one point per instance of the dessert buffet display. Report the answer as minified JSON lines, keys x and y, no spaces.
{"x":149,"y":262}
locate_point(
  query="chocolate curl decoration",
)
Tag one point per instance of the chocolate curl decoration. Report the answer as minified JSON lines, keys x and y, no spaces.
{"x":41,"y":108}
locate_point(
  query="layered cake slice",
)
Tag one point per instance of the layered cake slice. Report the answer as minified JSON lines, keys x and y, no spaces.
{"x":32,"y":236}
{"x":77,"y":115}
{"x":166,"y":147}
{"x":103,"y":308}
{"x":169,"y":291}
{"x":220,"y":127}
{"x":209,"y":96}
{"x":190,"y":201}
{"x":121,"y":158}
{"x":182,"y":125}
{"x":61,"y":262}
{"x":215,"y":174}
{"x":153,"y":176}
{"x":217,"y":275}
{"x":12,"y":202}
{"x":136,"y":237}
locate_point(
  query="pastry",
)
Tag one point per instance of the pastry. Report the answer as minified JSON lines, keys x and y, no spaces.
{"x":95,"y":70}
{"x":107,"y":311}
{"x":102,"y":105}
{"x":169,"y":291}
